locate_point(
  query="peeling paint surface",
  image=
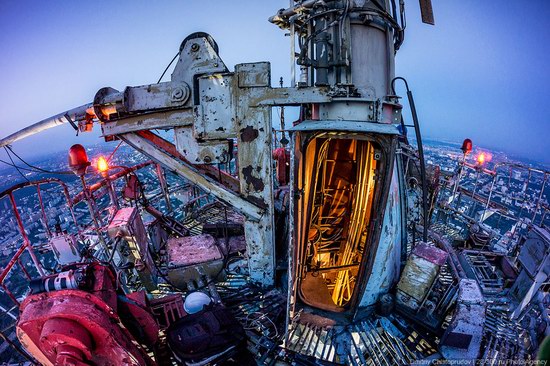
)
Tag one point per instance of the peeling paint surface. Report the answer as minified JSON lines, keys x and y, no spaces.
{"x":388,"y":255}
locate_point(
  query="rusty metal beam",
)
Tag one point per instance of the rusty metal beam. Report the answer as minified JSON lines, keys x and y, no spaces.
{"x":94,"y":187}
{"x":162,"y":120}
{"x":211,"y":171}
{"x":251,"y":211}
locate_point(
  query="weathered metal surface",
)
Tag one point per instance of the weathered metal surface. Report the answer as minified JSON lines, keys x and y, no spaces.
{"x":291,"y":96}
{"x":197,"y":57}
{"x":128,"y":226}
{"x":191,"y":250}
{"x":419,"y":274}
{"x":160,"y":120}
{"x":386,"y":263}
{"x":256,"y":171}
{"x":426,"y":12}
{"x":417,"y":278}
{"x":535,"y":269}
{"x":354,"y":126}
{"x":215,"y":115}
{"x":534,"y":251}
{"x":191,"y":258}
{"x":253,"y":75}
{"x":462,"y":339}
{"x":155,"y":96}
{"x":64,"y":248}
{"x":431,"y":253}
{"x":199,"y":151}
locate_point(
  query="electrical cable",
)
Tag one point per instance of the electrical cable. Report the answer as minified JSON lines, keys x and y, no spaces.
{"x":166,"y":69}
{"x":16,"y":167}
{"x":113,"y":153}
{"x":420,"y":155}
{"x":35,"y":167}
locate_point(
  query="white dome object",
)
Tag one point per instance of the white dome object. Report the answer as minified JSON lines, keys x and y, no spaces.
{"x":195,"y":302}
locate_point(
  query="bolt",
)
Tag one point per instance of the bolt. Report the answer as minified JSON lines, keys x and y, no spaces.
{"x":207,"y":159}
{"x":195,"y":47}
{"x":177,"y":94}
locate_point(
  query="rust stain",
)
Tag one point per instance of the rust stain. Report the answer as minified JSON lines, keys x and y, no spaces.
{"x":249,"y":133}
{"x":257,"y":201}
{"x":256,"y":183}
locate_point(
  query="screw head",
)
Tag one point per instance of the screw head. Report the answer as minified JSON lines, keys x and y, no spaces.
{"x":177,"y":94}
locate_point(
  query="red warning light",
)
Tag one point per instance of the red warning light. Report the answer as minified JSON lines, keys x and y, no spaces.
{"x":466,"y":146}
{"x":78,"y":159}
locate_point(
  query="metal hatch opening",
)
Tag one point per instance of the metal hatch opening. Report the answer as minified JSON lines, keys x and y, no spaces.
{"x":337,"y":176}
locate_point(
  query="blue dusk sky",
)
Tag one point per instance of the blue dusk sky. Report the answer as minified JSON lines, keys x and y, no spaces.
{"x":481,"y":72}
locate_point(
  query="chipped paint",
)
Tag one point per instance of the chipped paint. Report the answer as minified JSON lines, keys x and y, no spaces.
{"x":249,"y":134}
{"x":250,"y":179}
{"x":388,"y":255}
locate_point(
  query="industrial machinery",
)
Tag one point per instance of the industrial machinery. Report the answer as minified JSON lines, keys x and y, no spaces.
{"x":333,"y":248}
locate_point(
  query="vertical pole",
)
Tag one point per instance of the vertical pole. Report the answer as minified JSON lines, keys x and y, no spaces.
{"x":26,"y":240}
{"x":163,"y":186}
{"x":292,"y":52}
{"x":111,"y":191}
{"x":23,"y":269}
{"x":256,"y":171}
{"x":44,"y":217}
{"x":89,"y":202}
{"x":490,"y":194}
{"x":540,"y":197}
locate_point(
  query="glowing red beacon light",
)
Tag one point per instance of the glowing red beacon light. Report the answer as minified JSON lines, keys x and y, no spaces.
{"x":481,"y":159}
{"x":466,"y":146}
{"x":78,"y":159}
{"x":102,"y":165}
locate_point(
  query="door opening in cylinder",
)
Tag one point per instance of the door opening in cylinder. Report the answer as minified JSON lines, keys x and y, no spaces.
{"x":337,"y":177}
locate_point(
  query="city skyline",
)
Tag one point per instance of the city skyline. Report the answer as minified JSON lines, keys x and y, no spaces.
{"x":473,"y":74}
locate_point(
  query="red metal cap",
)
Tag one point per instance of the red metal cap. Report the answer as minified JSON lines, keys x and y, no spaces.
{"x":78,"y":159}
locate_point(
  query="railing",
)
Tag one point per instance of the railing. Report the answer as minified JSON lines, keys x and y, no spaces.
{"x":71,"y":203}
{"x":504,"y":200}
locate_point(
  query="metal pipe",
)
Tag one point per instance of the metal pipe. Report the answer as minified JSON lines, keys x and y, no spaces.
{"x":75,"y":114}
{"x":292,"y":10}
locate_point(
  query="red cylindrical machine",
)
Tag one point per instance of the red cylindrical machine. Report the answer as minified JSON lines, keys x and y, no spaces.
{"x":282,"y":156}
{"x":83,"y":327}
